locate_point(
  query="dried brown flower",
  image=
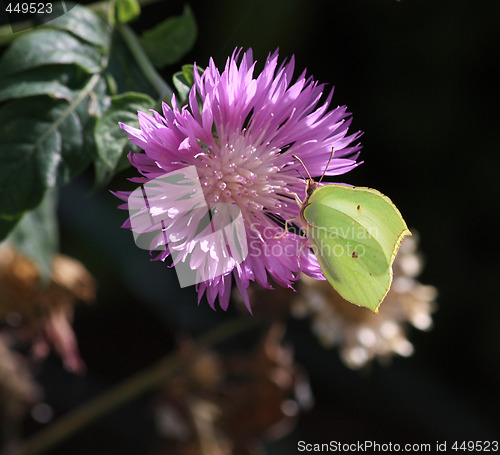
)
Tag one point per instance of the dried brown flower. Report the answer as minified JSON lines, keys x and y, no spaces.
{"x":41,"y":314}
{"x":227,"y":404}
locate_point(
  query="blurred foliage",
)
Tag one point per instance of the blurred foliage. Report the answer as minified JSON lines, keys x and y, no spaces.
{"x":171,"y":39}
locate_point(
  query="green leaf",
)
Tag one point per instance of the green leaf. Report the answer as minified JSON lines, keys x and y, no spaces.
{"x":56,"y":81}
{"x":355,"y":233}
{"x":188,"y":72}
{"x":102,"y":173}
{"x":48,"y":47}
{"x":89,"y":110}
{"x":36,"y":236}
{"x":180,"y":83}
{"x":170,"y":40}
{"x":110,"y":140}
{"x":184,"y":80}
{"x":42,"y":147}
{"x":45,"y":141}
{"x":82,"y":23}
{"x":126,"y":11}
{"x":17,"y":88}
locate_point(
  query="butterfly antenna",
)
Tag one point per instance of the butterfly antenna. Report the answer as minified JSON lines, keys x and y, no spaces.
{"x":300,"y":173}
{"x":328,"y":164}
{"x":303,"y":165}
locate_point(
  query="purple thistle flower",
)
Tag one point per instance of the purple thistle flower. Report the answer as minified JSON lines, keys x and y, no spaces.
{"x":240,"y":132}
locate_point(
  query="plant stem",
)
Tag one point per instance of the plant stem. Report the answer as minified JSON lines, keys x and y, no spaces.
{"x":130,"y":389}
{"x":163,"y":89}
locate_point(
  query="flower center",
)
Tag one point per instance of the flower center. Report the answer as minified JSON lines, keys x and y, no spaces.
{"x":242,"y":174}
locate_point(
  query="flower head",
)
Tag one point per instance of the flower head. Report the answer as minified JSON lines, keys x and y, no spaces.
{"x":239,"y":131}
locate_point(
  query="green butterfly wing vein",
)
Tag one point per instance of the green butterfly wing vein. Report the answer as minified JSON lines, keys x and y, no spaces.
{"x":355,"y":233}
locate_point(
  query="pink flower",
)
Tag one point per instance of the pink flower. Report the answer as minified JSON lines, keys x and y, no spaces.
{"x":240,"y":131}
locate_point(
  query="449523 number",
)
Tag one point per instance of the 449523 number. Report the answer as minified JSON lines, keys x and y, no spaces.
{"x":32,"y":8}
{"x":475,"y":446}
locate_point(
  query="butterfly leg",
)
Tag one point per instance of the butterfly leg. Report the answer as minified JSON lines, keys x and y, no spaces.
{"x":285,"y":232}
{"x":297,"y":198}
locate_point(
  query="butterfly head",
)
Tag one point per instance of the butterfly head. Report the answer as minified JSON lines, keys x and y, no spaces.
{"x":311,"y":187}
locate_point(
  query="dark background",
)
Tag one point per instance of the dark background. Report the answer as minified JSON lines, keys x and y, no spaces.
{"x":420,"y":78}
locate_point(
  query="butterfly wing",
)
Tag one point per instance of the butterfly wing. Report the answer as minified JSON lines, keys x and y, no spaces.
{"x":355,"y":233}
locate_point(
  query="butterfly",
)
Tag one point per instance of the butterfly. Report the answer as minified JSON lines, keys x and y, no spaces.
{"x":355,"y":233}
